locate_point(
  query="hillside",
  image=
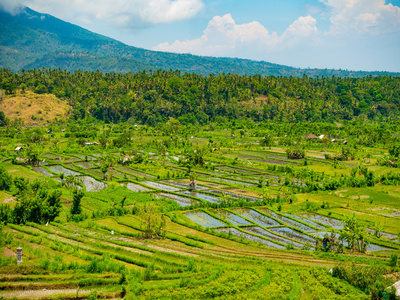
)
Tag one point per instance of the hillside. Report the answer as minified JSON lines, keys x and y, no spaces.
{"x":34,"y":109}
{"x":34,"y":40}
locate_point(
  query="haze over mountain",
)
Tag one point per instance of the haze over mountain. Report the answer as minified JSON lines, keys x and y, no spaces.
{"x":31,"y":39}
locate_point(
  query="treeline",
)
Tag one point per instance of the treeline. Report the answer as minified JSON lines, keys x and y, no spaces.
{"x":154,"y":97}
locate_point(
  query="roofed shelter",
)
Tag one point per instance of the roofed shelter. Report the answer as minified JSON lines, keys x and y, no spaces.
{"x":310,"y":136}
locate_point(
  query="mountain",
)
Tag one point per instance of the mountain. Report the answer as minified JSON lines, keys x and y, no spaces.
{"x":34,"y":40}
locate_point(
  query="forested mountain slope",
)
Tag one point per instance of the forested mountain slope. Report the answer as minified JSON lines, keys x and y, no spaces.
{"x":33,"y":40}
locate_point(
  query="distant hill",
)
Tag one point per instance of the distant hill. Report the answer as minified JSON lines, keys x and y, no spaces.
{"x":34,"y":109}
{"x":33,"y":40}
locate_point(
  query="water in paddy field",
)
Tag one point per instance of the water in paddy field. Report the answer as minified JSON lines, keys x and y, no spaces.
{"x":337,"y":224}
{"x":135,"y":187}
{"x":85,"y":164}
{"x":243,"y":178}
{"x":293,"y":234}
{"x":160,"y":186}
{"x":223,"y":180}
{"x":91,"y":184}
{"x":182,"y":184}
{"x":274,"y":237}
{"x":231,"y":217}
{"x":289,"y":222}
{"x":203,"y":219}
{"x":61,"y":169}
{"x":137,"y":173}
{"x":384,"y":234}
{"x":307,"y":221}
{"x":42,"y":171}
{"x":226,"y":168}
{"x":370,"y":247}
{"x":250,"y":237}
{"x":52,"y":156}
{"x":182,"y":201}
{"x":69,"y":159}
{"x":205,"y":197}
{"x":257,"y":217}
{"x":234,"y":195}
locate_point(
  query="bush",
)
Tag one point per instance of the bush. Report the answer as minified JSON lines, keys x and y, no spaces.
{"x":5,"y":180}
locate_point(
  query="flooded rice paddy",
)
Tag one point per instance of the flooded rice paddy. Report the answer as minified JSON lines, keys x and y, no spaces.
{"x":314,"y":224}
{"x":324,"y":220}
{"x":135,"y":187}
{"x":182,"y":201}
{"x":370,"y":247}
{"x":203,"y":219}
{"x":60,"y":169}
{"x":293,"y":234}
{"x":91,"y":184}
{"x":42,"y":171}
{"x":288,"y":221}
{"x":203,"y":196}
{"x":161,"y":186}
{"x":249,"y":237}
{"x":256,"y":217}
{"x":274,"y":237}
{"x":231,"y":217}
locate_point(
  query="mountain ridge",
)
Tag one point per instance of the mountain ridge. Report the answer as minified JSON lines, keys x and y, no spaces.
{"x":34,"y":40}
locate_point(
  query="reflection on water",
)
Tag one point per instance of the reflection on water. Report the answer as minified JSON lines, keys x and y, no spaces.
{"x":267,"y":234}
{"x":234,"y":219}
{"x":201,"y":196}
{"x":250,"y":237}
{"x":135,"y":187}
{"x":42,"y":171}
{"x":257,"y":217}
{"x":91,"y":184}
{"x":182,"y":201}
{"x":288,"y":221}
{"x":289,"y":232}
{"x":324,"y":220}
{"x":161,"y":186}
{"x":61,"y":169}
{"x":203,"y":219}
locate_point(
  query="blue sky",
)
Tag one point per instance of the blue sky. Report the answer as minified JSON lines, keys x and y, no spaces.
{"x":340,"y":34}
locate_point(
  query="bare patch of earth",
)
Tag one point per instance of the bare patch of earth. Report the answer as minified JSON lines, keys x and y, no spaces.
{"x":8,"y":252}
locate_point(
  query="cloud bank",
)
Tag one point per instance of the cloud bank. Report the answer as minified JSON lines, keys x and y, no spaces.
{"x":362,"y":16}
{"x":223,"y":35}
{"x":120,"y":13}
{"x":350,"y":22}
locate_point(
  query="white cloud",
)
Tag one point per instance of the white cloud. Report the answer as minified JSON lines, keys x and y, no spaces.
{"x":362,"y":16}
{"x":224,"y":37}
{"x":120,"y":13}
{"x":10,"y":6}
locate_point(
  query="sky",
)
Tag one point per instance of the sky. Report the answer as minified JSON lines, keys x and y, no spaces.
{"x":338,"y":34}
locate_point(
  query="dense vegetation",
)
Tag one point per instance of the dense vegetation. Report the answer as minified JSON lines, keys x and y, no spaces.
{"x":117,"y":219}
{"x":163,"y":185}
{"x":34,"y":40}
{"x":155,"y":97}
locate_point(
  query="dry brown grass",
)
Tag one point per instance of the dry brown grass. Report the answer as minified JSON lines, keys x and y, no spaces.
{"x":44,"y":108}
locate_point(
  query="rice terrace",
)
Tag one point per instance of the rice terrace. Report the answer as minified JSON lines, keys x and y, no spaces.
{"x":198,"y":169}
{"x":171,"y":208}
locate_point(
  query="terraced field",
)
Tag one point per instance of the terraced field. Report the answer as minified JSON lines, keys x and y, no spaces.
{"x":247,"y":230}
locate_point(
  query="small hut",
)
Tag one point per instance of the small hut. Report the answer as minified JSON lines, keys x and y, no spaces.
{"x":310,"y":136}
{"x":17,"y":149}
